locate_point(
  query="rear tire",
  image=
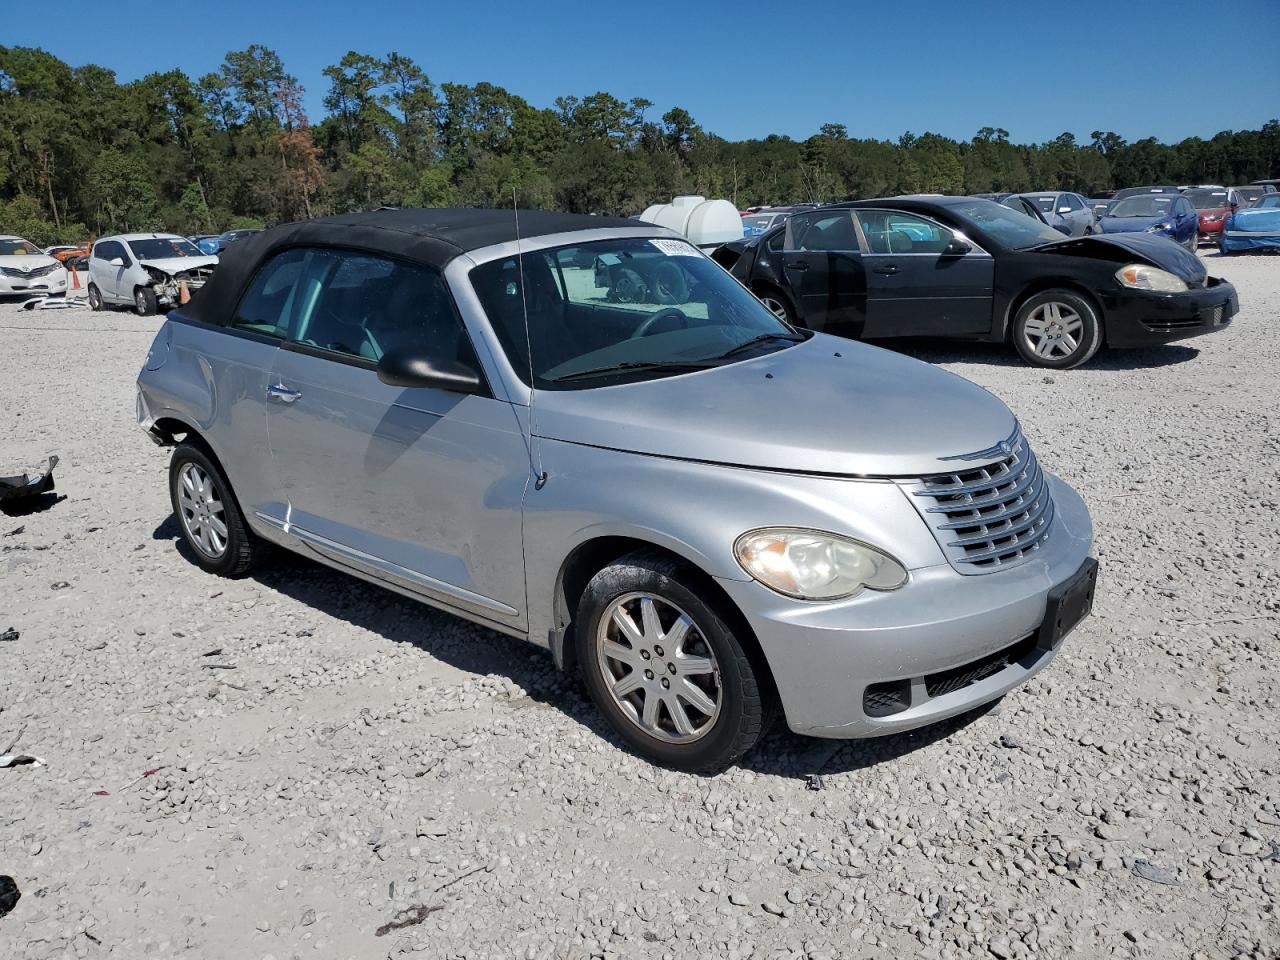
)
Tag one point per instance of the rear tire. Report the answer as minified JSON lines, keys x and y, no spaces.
{"x":695,"y":704}
{"x":778,"y":304}
{"x":144,"y":301}
{"x":209,"y":516}
{"x":1057,"y":329}
{"x":95,"y":297}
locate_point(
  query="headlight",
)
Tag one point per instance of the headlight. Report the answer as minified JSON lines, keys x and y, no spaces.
{"x":1160,"y":228}
{"x":812,"y":565}
{"x":7,"y":272}
{"x":1142,"y":277}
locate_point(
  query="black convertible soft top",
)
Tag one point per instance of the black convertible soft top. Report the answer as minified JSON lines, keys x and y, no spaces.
{"x":430,"y":236}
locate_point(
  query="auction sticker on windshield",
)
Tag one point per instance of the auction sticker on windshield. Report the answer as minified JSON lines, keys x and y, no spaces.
{"x":675,"y":248}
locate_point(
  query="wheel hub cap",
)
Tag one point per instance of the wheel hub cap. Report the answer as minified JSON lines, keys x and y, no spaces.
{"x":201,"y":511}
{"x":658,"y":668}
{"x":1054,"y":330}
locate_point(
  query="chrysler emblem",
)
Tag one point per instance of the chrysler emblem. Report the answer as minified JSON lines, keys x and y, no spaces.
{"x":1002,"y":449}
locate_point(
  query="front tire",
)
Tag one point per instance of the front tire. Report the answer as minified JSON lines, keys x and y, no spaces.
{"x":144,"y":301}
{"x":1193,"y":243}
{"x":665,"y":668}
{"x":1058,"y":329}
{"x":95,"y":297}
{"x":209,"y":516}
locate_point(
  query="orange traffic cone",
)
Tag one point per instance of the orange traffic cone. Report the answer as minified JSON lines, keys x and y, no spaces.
{"x":75,"y":279}
{"x":184,"y":295}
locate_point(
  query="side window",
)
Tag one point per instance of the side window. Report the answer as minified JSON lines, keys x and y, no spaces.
{"x":890,"y":231}
{"x":363,"y":305}
{"x":270,"y":302}
{"x":104,"y":251}
{"x":777,"y":242}
{"x":1072,"y":201}
{"x":829,"y":231}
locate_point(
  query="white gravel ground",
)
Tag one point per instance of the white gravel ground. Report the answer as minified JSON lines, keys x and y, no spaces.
{"x":335,"y":763}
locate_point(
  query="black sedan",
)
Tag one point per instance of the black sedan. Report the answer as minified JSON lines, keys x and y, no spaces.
{"x":974,"y":269}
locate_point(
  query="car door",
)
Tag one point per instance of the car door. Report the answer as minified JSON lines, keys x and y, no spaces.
{"x":1185,"y":221}
{"x":923,"y":279}
{"x":822,"y":266}
{"x":1076,"y":213}
{"x":421,"y":488}
{"x":109,"y":275}
{"x":236,"y":360}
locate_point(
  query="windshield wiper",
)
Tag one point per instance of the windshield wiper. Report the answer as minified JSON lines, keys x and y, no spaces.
{"x":629,"y":365}
{"x":762,"y":338}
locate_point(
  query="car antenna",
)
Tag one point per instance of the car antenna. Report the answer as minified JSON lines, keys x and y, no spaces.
{"x":535,"y":449}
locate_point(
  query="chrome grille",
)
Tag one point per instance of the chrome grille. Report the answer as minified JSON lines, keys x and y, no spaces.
{"x":990,"y":517}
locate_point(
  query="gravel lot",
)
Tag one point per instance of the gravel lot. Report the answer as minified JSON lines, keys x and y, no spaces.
{"x":342,"y":773}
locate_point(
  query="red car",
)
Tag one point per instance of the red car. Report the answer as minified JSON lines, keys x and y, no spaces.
{"x":1214,"y":205}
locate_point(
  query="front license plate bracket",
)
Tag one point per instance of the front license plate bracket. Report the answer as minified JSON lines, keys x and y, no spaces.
{"x":1068,"y":604}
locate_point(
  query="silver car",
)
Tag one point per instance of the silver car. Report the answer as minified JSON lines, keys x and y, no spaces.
{"x":586,"y":434}
{"x":1066,"y":212}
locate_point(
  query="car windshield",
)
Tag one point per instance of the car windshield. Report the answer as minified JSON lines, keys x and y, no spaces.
{"x":1047,"y":203}
{"x":11,"y":247}
{"x":1207,"y":199}
{"x":1150,"y":206}
{"x":756,"y":225}
{"x":621,"y":309}
{"x":1012,"y":229}
{"x":1268,"y":200}
{"x":162,"y":248}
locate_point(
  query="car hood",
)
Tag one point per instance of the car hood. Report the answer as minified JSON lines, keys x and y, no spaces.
{"x":824,"y":406}
{"x":1261,"y":218}
{"x":1156,"y":250}
{"x":1128,"y":224}
{"x":27,"y":263}
{"x":1213,"y":212}
{"x":178,"y":264}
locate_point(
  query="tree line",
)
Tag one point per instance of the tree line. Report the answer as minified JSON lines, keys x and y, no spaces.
{"x":82,"y":154}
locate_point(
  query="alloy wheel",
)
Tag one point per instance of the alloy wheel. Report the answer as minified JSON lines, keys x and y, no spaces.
{"x":658,"y":668}
{"x":203,"y":515}
{"x":776,"y":307}
{"x":1053,"y":330}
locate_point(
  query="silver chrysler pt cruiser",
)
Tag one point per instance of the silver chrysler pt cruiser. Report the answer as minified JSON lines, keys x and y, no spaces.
{"x":582,"y":432}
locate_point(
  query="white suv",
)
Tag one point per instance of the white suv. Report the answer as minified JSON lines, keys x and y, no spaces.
{"x":147,"y":270}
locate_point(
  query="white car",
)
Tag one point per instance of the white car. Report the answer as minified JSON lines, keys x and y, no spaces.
{"x":146,"y":270}
{"x":24,"y":270}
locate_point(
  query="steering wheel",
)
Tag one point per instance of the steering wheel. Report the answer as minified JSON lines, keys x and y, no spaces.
{"x":670,"y":313}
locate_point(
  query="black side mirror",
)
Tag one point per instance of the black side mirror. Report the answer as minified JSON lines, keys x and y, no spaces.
{"x":411,"y":367}
{"x":956,"y":248}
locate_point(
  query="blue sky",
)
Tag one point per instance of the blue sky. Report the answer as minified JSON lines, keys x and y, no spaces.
{"x":750,"y":68}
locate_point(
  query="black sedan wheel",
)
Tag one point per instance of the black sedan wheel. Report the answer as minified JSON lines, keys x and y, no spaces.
{"x":777,"y":305}
{"x":1058,"y":329}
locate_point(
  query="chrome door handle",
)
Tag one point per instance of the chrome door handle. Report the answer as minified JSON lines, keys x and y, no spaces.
{"x":278,"y":391}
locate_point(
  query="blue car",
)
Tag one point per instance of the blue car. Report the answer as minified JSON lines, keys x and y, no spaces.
{"x":1253,"y":228}
{"x":1162,"y":214}
{"x":207,"y":242}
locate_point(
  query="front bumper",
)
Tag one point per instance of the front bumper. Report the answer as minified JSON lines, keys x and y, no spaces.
{"x":1233,"y":240}
{"x":50,"y":283}
{"x":824,"y":656}
{"x":1210,"y":229}
{"x":1138,"y":318}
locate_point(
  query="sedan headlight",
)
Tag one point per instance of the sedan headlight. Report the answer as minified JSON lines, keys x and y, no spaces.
{"x":1139,"y":276}
{"x":812,"y":565}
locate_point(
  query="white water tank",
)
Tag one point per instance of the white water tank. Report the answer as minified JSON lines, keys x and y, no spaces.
{"x":707,"y":223}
